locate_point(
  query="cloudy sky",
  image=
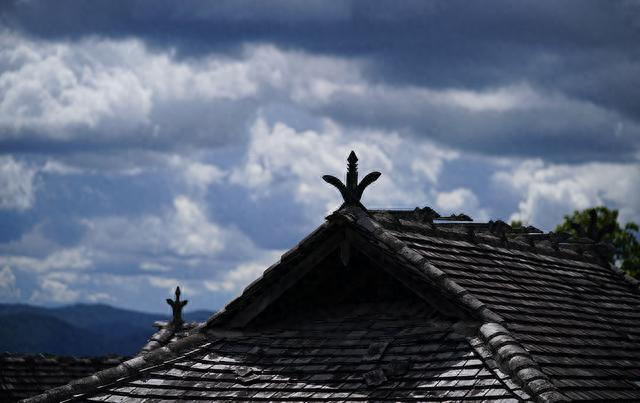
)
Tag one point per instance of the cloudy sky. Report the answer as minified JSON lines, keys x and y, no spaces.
{"x":146,"y":144}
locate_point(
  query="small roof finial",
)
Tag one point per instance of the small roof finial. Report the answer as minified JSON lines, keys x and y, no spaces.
{"x":177,"y":306}
{"x":352,"y":191}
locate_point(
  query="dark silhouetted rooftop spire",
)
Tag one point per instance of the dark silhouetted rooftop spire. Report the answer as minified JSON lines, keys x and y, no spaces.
{"x":352,"y":191}
{"x":177,"y":306}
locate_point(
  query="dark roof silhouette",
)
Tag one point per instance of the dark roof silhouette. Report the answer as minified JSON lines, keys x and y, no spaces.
{"x":405,"y":305}
{"x":25,"y":375}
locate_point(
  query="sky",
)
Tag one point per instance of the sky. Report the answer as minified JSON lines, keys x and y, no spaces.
{"x":150,"y":143}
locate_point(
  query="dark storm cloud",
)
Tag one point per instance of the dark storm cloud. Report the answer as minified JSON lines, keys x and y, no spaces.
{"x":149,"y":143}
{"x":586,"y":49}
{"x":559,"y":130}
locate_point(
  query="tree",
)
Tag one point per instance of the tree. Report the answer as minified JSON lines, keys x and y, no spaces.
{"x":601,"y":225}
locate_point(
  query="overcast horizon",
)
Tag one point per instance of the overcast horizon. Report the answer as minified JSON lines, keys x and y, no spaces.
{"x":149,"y":144}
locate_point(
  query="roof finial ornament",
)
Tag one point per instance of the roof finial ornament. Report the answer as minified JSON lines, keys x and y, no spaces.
{"x":177,"y":306}
{"x":352,"y":192}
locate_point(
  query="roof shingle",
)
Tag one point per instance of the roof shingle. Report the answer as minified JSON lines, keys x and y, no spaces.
{"x":25,"y":375}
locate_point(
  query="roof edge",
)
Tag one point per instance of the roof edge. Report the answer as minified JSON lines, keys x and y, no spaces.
{"x":158,"y":339}
{"x":633,"y":283}
{"x":545,"y":244}
{"x":126,"y":369}
{"x":327,"y":235}
{"x":510,"y":354}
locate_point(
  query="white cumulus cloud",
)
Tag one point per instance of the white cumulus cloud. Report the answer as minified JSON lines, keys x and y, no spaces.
{"x":240,"y":276}
{"x":77,"y":258}
{"x":549,"y":191}
{"x":53,"y":288}
{"x":184,"y":229}
{"x":278,"y":155}
{"x":461,"y":200}
{"x":17,"y":188}
{"x":8,"y":289}
{"x":55,"y":87}
{"x":196,"y":174}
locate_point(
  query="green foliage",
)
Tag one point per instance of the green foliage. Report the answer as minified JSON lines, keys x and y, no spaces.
{"x":515,"y":224}
{"x":601,"y":224}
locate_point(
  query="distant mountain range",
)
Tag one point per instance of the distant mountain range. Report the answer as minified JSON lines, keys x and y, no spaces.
{"x":79,"y":330}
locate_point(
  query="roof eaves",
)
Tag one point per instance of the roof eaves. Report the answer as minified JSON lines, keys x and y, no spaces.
{"x":127,"y":369}
{"x":512,"y":357}
{"x":634,"y":283}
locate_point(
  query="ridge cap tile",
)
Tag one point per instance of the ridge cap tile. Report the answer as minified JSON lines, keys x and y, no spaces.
{"x":564,"y":249}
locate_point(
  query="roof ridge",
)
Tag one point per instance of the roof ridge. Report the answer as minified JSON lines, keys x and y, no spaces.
{"x":483,"y":351}
{"x":510,"y":353}
{"x":497,"y":234}
{"x":159,"y":338}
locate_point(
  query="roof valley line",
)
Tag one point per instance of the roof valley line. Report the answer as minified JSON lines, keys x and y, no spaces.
{"x":403,"y":305}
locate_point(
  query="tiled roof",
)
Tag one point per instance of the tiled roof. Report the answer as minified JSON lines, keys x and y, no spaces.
{"x":24,"y":375}
{"x":362,"y":352}
{"x":388,"y":305}
{"x":579,"y":319}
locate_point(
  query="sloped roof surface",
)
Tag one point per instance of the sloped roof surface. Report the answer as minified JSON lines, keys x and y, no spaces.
{"x":545,"y":310}
{"x":24,"y":375}
{"x":359,"y":352}
{"x":579,"y":320}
